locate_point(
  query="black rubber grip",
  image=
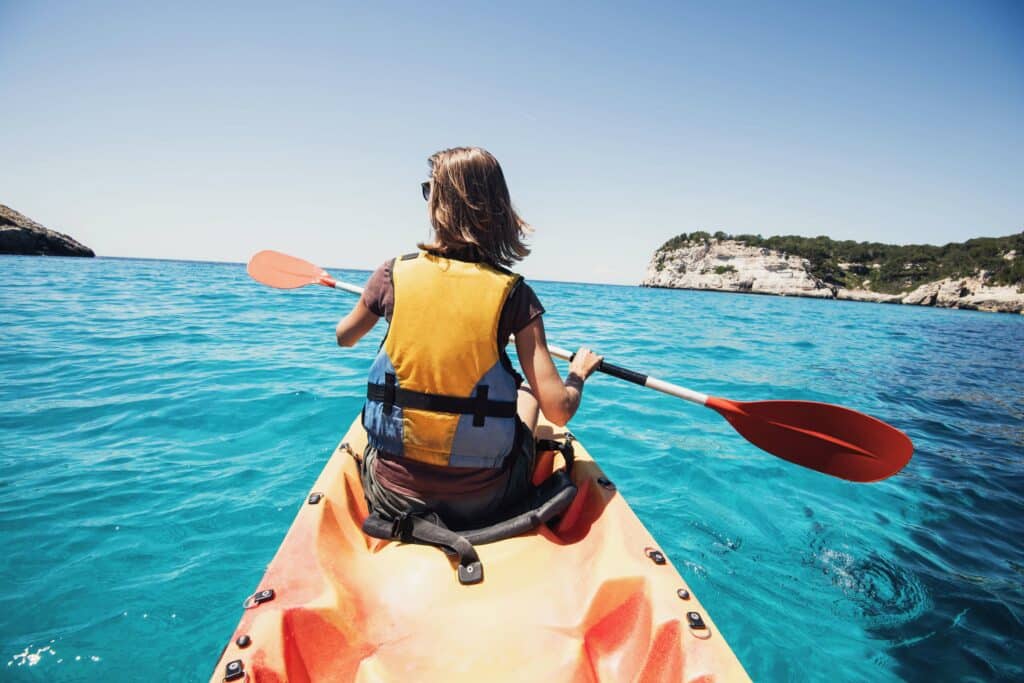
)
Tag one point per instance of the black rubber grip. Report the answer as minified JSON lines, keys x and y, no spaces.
{"x":622,"y":373}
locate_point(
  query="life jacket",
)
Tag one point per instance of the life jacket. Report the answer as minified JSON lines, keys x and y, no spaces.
{"x":441,"y":389}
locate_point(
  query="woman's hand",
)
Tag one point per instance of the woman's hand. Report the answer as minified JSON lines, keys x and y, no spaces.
{"x":558,"y":401}
{"x":584,"y":362}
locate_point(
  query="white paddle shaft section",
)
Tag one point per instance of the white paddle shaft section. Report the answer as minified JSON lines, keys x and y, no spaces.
{"x":676,"y":390}
{"x":613,"y":370}
{"x":338,"y":284}
{"x":639,"y":378}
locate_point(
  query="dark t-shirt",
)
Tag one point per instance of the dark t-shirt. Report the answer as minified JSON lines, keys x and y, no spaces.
{"x":420,"y":480}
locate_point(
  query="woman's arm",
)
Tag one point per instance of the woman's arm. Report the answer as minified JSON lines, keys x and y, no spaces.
{"x":558,"y":401}
{"x":357,"y":323}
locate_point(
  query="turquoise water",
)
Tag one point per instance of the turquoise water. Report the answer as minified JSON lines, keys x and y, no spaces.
{"x":160,"y":423}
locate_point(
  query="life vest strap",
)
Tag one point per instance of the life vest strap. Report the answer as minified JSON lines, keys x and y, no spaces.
{"x":478,"y":406}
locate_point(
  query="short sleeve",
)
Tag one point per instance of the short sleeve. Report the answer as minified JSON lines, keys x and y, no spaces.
{"x":521,"y":309}
{"x":379,"y":292}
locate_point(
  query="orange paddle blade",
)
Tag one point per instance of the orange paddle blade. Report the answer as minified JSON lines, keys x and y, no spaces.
{"x":820,"y":436}
{"x":282,"y":271}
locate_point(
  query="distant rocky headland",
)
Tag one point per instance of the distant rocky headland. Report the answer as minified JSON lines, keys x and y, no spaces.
{"x":985,"y":274}
{"x":22,"y":235}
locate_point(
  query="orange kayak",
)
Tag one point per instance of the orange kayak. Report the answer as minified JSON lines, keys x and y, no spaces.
{"x":592,"y":598}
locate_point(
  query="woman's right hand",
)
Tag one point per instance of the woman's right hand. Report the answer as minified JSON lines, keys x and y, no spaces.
{"x":584,"y":362}
{"x":558,"y":400}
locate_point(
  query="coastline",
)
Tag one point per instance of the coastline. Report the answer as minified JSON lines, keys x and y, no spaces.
{"x":841,"y":300}
{"x":733,"y":267}
{"x":844,"y":295}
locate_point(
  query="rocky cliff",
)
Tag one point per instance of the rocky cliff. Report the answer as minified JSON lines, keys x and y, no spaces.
{"x":729,"y":265}
{"x":21,"y":235}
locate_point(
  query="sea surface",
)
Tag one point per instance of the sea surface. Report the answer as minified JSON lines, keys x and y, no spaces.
{"x":161,"y":422}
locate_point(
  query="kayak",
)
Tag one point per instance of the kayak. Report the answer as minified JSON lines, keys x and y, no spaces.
{"x":591,"y":597}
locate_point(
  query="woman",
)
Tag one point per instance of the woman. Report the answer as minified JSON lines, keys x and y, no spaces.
{"x":449,"y":422}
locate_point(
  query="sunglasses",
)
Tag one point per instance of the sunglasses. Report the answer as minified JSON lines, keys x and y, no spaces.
{"x":425,"y":186}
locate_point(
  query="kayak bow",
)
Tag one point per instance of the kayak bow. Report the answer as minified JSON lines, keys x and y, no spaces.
{"x":591,"y":599}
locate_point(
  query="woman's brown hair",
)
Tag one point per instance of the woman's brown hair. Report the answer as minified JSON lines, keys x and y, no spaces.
{"x":471,"y":210}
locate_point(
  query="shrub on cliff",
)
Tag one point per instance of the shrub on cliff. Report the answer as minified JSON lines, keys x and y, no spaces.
{"x":888,"y":268}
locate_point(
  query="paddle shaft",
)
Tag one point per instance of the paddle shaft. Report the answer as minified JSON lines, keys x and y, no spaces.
{"x":329,"y":281}
{"x":638,"y":378}
{"x":558,"y":352}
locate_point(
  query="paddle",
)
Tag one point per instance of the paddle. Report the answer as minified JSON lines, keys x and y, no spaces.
{"x":820,"y":436}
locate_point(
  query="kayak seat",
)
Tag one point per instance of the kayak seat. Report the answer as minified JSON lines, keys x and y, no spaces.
{"x":549,"y":500}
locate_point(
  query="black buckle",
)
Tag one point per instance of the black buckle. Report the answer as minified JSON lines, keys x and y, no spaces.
{"x":401,"y":528}
{"x":389,"y":393}
{"x":480,"y":409}
{"x":563,"y":447}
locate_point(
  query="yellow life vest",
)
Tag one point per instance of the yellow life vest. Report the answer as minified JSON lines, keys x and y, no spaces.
{"x":442,"y":390}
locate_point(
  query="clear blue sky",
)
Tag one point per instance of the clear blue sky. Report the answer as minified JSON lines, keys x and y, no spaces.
{"x":178,"y":130}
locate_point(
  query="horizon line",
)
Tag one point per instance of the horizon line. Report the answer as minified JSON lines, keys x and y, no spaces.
{"x":366,"y":270}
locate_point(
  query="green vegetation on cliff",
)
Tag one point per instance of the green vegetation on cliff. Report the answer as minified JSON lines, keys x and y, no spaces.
{"x":889,"y":268}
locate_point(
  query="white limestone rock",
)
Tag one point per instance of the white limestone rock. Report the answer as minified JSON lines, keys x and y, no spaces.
{"x":970,"y":293}
{"x":733,"y":267}
{"x":868,"y":295}
{"x":730,"y":266}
